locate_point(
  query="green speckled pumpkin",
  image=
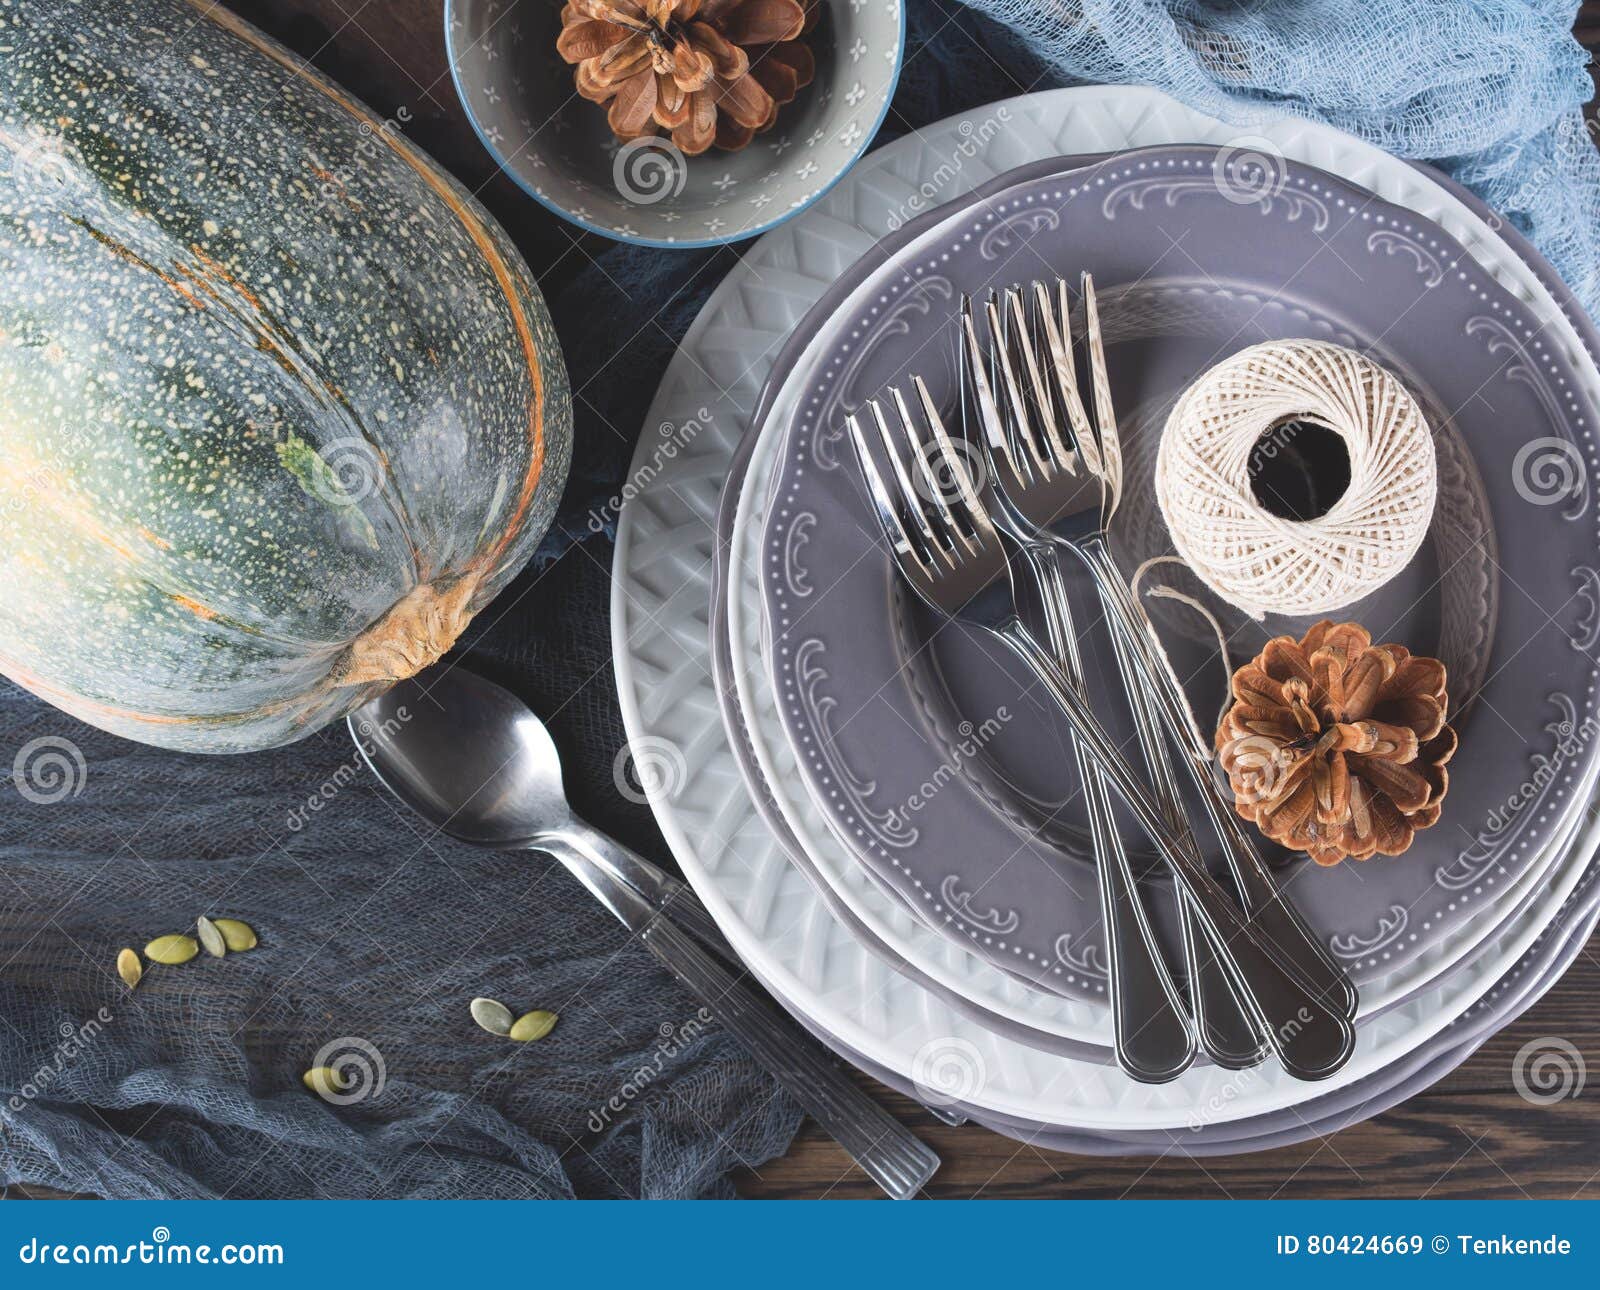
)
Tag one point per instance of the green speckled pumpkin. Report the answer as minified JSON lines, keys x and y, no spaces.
{"x":280,"y":406}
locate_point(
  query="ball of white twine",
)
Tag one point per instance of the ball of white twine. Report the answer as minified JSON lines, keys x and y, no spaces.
{"x":1265,"y":563}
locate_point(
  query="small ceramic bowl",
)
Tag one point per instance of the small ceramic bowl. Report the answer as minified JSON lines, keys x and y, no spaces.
{"x":519,"y":95}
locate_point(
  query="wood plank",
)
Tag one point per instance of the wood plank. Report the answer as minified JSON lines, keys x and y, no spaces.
{"x":1479,"y":1145}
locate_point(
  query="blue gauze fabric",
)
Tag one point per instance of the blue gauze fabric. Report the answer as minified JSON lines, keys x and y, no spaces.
{"x":1489,"y":90}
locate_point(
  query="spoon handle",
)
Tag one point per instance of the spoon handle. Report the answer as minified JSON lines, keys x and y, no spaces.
{"x":658,"y":887}
{"x":896,"y":1159}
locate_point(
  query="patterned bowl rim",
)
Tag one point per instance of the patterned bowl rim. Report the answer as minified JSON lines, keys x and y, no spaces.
{"x":503,"y":164}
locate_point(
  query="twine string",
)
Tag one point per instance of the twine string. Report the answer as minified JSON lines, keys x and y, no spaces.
{"x":1265,"y":563}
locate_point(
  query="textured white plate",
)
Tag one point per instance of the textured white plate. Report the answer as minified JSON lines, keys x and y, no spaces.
{"x":661,"y":595}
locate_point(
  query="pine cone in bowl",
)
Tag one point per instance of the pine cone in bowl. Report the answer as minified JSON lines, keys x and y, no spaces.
{"x":1337,"y":747}
{"x":706,"y":71}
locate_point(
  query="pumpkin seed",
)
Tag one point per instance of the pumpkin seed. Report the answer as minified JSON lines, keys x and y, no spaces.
{"x":129,"y":968}
{"x":324,"y":1081}
{"x":171,"y":950}
{"x":210,"y":937}
{"x":237,"y":936}
{"x":533,"y":1025}
{"x":492,"y":1015}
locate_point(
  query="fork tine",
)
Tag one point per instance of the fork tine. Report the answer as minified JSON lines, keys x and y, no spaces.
{"x":954,"y":463}
{"x":1104,"y":414}
{"x":909,"y":496}
{"x":921,"y":449}
{"x":1046,"y":445}
{"x":991,"y":422}
{"x":883,"y":503}
{"x":1065,"y":369}
{"x":1001,"y":351}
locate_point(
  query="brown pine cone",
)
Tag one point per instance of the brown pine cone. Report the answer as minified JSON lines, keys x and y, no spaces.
{"x":1337,"y":747}
{"x":707,"y":71}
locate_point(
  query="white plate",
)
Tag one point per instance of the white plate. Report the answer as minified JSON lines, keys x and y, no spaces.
{"x":661,"y":587}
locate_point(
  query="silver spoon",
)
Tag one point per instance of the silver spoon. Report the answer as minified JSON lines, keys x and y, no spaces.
{"x":474,"y":761}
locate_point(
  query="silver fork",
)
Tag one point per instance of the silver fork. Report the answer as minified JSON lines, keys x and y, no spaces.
{"x":1153,"y":1037}
{"x":953,"y":557}
{"x":1055,"y":503}
{"x":1024,"y":450}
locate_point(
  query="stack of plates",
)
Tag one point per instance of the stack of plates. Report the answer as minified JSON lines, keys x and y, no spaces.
{"x":877,"y":813}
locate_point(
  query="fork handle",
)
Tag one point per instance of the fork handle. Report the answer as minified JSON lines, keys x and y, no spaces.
{"x":1153,"y":1038}
{"x":1228,"y":1031}
{"x":896,"y":1159}
{"x":1312,"y":1039}
{"x":1271,"y":913}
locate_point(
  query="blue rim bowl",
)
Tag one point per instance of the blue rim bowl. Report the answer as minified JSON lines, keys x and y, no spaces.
{"x":518,"y":95}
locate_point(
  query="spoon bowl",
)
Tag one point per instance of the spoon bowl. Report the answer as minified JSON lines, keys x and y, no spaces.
{"x":474,"y":760}
{"x":467,"y":755}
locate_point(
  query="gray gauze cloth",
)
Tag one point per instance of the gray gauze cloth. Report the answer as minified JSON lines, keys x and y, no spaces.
{"x":375,"y":935}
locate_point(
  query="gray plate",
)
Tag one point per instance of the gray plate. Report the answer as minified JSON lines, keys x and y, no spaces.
{"x":799,"y":342}
{"x":1433,"y":1066}
{"x":997,"y":852}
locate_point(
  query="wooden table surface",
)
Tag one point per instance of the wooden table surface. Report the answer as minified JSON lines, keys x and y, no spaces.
{"x":1470,"y":1135}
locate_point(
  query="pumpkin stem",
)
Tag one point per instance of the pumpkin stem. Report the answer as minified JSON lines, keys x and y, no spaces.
{"x":415,"y":632}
